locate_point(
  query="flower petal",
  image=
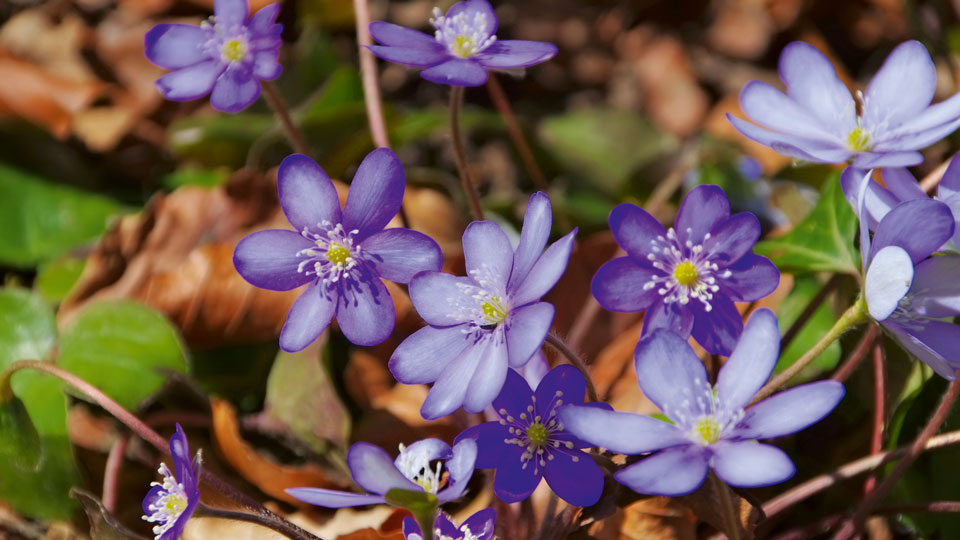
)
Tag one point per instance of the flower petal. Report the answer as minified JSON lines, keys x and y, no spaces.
{"x":487,"y":380}
{"x":819,"y":151}
{"x":751,"y":278}
{"x":513,"y":482}
{"x":307,"y":195}
{"x":398,"y":254}
{"x":191,"y":82}
{"x":546,"y":272}
{"x":537,"y":221}
{"x":673,"y":472}
{"x":410,"y":56}
{"x":902,"y":88}
{"x":439,"y":299}
{"x":635,"y":230}
{"x":942,"y":337}
{"x":619,"y":286}
{"x":235,"y":90}
{"x":812,"y":82}
{"x":703,"y":208}
{"x":488,"y":255}
{"x":749,"y":464}
{"x":481,"y":524}
{"x":489,"y":437}
{"x":376,"y":193}
{"x":673,"y":317}
{"x":671,"y":375}
{"x":949,"y":185}
{"x":789,"y":411}
{"x":878,"y":199}
{"x":938,"y":293}
{"x":930,"y":125}
{"x":175,"y":46}
{"x":752,"y":361}
{"x":366,"y":314}
{"x":773,"y":109}
{"x":889,"y":277}
{"x":460,"y":467}
{"x":268,"y":259}
{"x":399,"y":36}
{"x":308,"y":318}
{"x":515,"y":396}
{"x":150,"y":498}
{"x":526,"y":331}
{"x":718,"y":329}
{"x":574,"y":476}
{"x":456,"y":72}
{"x":373,"y":470}
{"x":919,"y":226}
{"x":476,"y":10}
{"x":450,"y":390}
{"x":422,"y":357}
{"x":410,"y":529}
{"x":620,"y":432}
{"x":266,"y":65}
{"x":180,"y":450}
{"x":329,"y":498}
{"x":514,"y":54}
{"x":903,"y":185}
{"x":230,"y":12}
{"x":565,"y":382}
{"x":264,"y":20}
{"x":877,"y":159}
{"x":733,"y":238}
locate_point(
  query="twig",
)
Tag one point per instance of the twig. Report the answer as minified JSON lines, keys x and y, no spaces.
{"x":879,"y":410}
{"x":502,"y":104}
{"x":276,"y":103}
{"x":576,"y":361}
{"x":809,"y":310}
{"x":829,"y":522}
{"x":858,"y":354}
{"x":368,"y":72}
{"x":460,"y":155}
{"x":877,"y":495}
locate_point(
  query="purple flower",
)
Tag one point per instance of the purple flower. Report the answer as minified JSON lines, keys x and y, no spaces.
{"x":905,"y":289}
{"x":817,"y":118}
{"x":170,"y":503}
{"x":688,"y":277}
{"x":225,"y":57}
{"x":529,"y":442}
{"x":373,"y":470}
{"x":340,"y":256}
{"x":480,"y":324}
{"x":462,"y":49}
{"x":479,"y":526}
{"x":710,"y":427}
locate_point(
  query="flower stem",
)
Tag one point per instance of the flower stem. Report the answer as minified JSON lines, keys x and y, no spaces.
{"x":111,"y":473}
{"x":879,"y":409}
{"x":726,"y":507}
{"x":577,"y":362}
{"x":276,"y":103}
{"x":456,"y":103}
{"x":858,"y":354}
{"x":502,"y":104}
{"x":276,"y":523}
{"x":368,"y":72}
{"x":808,"y":311}
{"x":854,"y":315}
{"x":876,"y":496}
{"x":549,"y":517}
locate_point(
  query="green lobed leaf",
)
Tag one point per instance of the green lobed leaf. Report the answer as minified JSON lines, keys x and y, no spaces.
{"x":122,"y":347}
{"x":55,"y":278}
{"x":40,"y":220}
{"x":823,"y":241}
{"x":804,"y":289}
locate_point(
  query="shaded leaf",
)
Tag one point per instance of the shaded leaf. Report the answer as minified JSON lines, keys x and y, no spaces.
{"x":103,"y":525}
{"x":57,"y":277}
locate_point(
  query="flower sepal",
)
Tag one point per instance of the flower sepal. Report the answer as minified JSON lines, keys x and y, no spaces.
{"x":423,"y":505}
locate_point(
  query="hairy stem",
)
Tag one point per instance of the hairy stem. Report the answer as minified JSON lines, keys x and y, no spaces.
{"x":271,"y":521}
{"x":456,"y":103}
{"x":276,"y":103}
{"x":368,"y":72}
{"x":577,"y":362}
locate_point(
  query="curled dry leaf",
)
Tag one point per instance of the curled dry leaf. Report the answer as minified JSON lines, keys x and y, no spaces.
{"x":271,"y":477}
{"x":657,"y":518}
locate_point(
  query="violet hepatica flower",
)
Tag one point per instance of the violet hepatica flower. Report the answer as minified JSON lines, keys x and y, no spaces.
{"x":481,"y":323}
{"x":479,"y":526}
{"x":817,"y":120}
{"x":170,"y":503}
{"x":225,"y":57}
{"x":710,"y":427}
{"x":462,"y":49}
{"x":687,"y":277}
{"x":418,"y":468}
{"x":905,"y":288}
{"x":340,"y":255}
{"x":529,"y":443}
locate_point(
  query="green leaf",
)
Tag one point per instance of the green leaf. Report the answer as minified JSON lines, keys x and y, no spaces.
{"x":40,"y":220}
{"x":193,"y":176}
{"x":28,"y":331}
{"x":19,"y":440}
{"x":57,"y":277}
{"x":605,"y":146}
{"x":823,"y":241}
{"x":122,"y":347}
{"x":804,"y":289}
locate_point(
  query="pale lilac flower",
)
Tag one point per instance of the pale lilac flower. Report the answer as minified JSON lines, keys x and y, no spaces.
{"x":710,"y":427}
{"x":461,"y":50}
{"x":341,"y":256}
{"x":413,"y":470}
{"x":687,"y":277}
{"x":479,"y":526}
{"x":817,"y":120}
{"x":481,"y":323}
{"x":170,"y":503}
{"x":225,"y":57}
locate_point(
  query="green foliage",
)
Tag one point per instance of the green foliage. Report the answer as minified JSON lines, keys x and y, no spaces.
{"x":194,"y":176}
{"x":124,"y":348}
{"x":804,"y":289}
{"x":57,"y":277}
{"x":40,"y":220}
{"x":823,"y":241}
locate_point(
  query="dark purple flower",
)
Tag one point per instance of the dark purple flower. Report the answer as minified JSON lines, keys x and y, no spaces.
{"x":480,"y":324}
{"x":817,"y":120}
{"x":479,"y":526}
{"x":529,"y":443}
{"x":170,"y":503}
{"x":340,"y":256}
{"x":710,"y":427}
{"x":905,"y":289}
{"x":688,"y":277}
{"x":413,"y":470}
{"x":225,"y":57}
{"x":463,"y":48}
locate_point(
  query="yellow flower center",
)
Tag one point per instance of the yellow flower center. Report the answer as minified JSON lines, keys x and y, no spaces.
{"x":538,"y":434}
{"x":493,"y":310}
{"x":175,"y":503}
{"x":686,"y":274}
{"x":463,"y":46}
{"x":337,"y":254}
{"x":859,"y":140}
{"x":234,"y":50}
{"x":708,"y":429}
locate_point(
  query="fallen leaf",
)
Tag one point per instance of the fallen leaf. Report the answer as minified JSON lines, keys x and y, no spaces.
{"x":704,"y":503}
{"x":658,"y":518}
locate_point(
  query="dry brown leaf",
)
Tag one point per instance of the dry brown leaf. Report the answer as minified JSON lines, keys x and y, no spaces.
{"x":205,"y":528}
{"x":704,"y":503}
{"x":271,"y":477}
{"x":741,"y":28}
{"x":658,"y":518}
{"x":395,"y":418}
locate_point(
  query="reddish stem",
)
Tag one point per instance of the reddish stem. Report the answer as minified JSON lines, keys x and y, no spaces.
{"x":502,"y":104}
{"x":879,"y":409}
{"x":858,"y":354}
{"x":112,"y":472}
{"x":368,"y":72}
